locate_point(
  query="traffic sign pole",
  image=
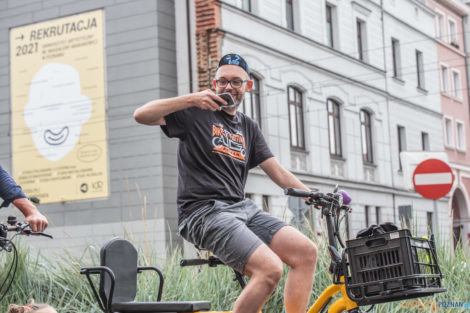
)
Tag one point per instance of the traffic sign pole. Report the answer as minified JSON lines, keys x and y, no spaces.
{"x":433,"y":179}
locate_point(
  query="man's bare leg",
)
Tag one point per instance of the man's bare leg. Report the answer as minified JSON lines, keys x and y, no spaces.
{"x":265,"y":271}
{"x":300,"y":253}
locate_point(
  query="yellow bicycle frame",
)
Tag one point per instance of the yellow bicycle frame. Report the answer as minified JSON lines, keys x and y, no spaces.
{"x":340,"y":305}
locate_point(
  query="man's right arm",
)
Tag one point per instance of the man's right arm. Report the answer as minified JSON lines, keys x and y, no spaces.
{"x":154,"y":112}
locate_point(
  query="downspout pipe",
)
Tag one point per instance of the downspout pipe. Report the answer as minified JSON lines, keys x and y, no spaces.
{"x":190,"y":53}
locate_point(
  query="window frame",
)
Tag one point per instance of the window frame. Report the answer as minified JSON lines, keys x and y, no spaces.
{"x":449,"y":132}
{"x":452,"y":34}
{"x":425,"y":145}
{"x":297,"y":104}
{"x":330,"y":20}
{"x":367,"y":214}
{"x":420,"y":69}
{"x":430,"y":223}
{"x":255,"y":97}
{"x":266,"y":203}
{"x":460,"y":143}
{"x":396,"y":58}
{"x":337,"y":136}
{"x":456,"y":90}
{"x":290,"y":24}
{"x":401,"y":137}
{"x":444,"y":83}
{"x":361,"y":39}
{"x":366,"y":129}
{"x":247,"y":6}
{"x":440,"y":29}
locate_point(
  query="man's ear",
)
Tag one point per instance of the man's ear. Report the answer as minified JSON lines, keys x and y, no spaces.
{"x":214,"y":82}
{"x":249,"y":85}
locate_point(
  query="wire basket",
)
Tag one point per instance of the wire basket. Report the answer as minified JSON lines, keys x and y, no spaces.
{"x":390,"y":267}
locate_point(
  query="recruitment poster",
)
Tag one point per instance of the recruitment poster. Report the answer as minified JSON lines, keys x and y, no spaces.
{"x":58,"y":108}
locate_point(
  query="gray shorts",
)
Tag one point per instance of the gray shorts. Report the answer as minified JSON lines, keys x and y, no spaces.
{"x":231,"y":231}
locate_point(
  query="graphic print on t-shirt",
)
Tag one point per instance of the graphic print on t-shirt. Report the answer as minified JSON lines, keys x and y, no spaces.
{"x":227,"y":143}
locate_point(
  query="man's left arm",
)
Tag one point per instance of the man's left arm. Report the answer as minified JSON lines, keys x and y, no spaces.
{"x":280,"y":175}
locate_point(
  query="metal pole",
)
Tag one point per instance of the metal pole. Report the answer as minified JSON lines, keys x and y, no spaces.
{"x":436,"y":219}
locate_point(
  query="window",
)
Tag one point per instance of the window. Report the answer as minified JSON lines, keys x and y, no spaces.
{"x":361,"y":39}
{"x":425,"y":141}
{"x":452,"y":32}
{"x":460,"y":135}
{"x":330,"y":26}
{"x":444,"y":79}
{"x":290,"y":14}
{"x":334,"y":128}
{"x":440,"y":25}
{"x":366,"y":212}
{"x":366,"y":136}
{"x":249,"y":196}
{"x":456,"y":84}
{"x":251,"y":103}
{"x":429,"y":218}
{"x":265,"y":203}
{"x":246,"y":5}
{"x":420,"y":69}
{"x":377,"y":215}
{"x":401,"y":143}
{"x":396,"y":58}
{"x":296,"y":120}
{"x":448,"y":136}
{"x":404,"y":214}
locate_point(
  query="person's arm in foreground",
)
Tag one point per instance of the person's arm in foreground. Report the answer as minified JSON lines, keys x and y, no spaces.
{"x":10,"y":192}
{"x":153,"y":112}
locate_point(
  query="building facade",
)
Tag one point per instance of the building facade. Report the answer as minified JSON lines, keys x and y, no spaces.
{"x":341,"y":88}
{"x":140,"y":65}
{"x":450,"y":25}
{"x":335,"y":101}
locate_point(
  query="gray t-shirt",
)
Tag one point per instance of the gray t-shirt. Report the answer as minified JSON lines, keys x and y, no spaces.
{"x":215,"y":152}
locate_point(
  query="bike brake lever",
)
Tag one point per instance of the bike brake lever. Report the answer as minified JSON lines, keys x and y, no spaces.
{"x":36,"y":233}
{"x":39,"y":233}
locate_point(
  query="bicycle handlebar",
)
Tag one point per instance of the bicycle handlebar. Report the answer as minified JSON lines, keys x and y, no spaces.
{"x":20,"y":228}
{"x":302,"y":193}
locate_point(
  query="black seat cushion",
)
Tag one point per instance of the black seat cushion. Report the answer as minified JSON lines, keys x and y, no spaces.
{"x":183,"y":306}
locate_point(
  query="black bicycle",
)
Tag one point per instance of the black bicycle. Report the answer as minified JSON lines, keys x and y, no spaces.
{"x":15,"y":228}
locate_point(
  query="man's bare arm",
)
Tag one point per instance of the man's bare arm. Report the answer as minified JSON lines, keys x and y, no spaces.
{"x":281,"y":176}
{"x":153,"y":112}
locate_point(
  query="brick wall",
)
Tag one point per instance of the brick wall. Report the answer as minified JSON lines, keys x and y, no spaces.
{"x":208,"y":40}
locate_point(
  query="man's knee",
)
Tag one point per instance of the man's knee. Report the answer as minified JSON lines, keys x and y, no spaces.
{"x":311,"y":253}
{"x":306,"y":255}
{"x":274,"y":274}
{"x":265,"y":266}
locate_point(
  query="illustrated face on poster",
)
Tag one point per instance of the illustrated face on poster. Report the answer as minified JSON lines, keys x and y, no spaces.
{"x":56,"y":110}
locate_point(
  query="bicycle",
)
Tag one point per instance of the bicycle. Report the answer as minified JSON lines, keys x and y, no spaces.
{"x":376,"y":269}
{"x":7,"y":245}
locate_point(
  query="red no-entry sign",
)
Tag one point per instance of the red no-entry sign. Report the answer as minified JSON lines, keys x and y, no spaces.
{"x":433,"y":179}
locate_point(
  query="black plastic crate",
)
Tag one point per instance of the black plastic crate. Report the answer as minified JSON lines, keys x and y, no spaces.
{"x":390,"y":267}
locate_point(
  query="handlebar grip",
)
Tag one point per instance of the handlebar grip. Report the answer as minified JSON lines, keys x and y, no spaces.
{"x":302,"y":193}
{"x":193,"y":262}
{"x":297,"y":192}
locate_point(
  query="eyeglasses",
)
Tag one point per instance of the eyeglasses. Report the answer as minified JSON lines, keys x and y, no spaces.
{"x":235,"y":83}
